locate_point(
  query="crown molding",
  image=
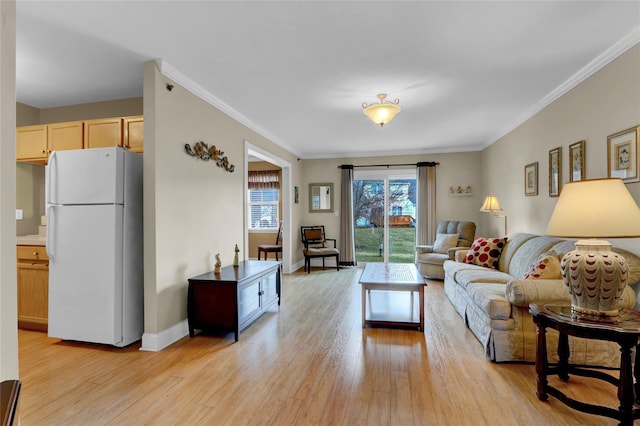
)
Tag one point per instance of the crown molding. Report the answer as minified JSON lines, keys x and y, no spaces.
{"x":606,"y":57}
{"x":168,"y":71}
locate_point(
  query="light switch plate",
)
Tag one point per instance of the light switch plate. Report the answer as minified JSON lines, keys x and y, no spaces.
{"x":18,"y":214}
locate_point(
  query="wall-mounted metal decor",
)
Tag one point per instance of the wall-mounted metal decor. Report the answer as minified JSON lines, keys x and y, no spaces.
{"x":202,"y":151}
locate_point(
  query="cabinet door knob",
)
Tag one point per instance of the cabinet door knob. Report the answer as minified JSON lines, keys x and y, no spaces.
{"x":35,"y":253}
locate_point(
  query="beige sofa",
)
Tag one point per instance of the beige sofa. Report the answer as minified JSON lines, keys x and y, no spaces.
{"x":429,"y":262}
{"x":495,"y":303}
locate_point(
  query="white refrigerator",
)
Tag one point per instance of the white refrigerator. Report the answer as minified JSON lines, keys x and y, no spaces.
{"x":95,"y":246}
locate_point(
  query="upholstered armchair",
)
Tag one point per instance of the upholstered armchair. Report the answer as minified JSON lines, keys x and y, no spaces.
{"x":451,"y":236}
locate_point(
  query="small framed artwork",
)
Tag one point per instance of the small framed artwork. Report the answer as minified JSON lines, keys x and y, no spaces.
{"x":622,"y":155}
{"x":531,"y":179}
{"x":296,"y":194}
{"x":555,"y":171}
{"x":576,"y":161}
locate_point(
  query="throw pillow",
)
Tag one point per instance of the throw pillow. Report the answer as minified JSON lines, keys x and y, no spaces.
{"x":444,"y":242}
{"x":545,"y":267}
{"x":485,"y":252}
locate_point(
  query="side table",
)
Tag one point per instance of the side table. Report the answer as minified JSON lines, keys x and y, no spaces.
{"x":623,"y":329}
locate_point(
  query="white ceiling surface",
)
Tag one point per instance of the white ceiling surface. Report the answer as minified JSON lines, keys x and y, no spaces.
{"x":466,"y":73}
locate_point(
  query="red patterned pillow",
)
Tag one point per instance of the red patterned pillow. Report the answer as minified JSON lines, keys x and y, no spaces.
{"x":485,"y":252}
{"x":545,"y":267}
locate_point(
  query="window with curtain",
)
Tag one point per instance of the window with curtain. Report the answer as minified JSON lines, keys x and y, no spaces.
{"x":264,"y":199}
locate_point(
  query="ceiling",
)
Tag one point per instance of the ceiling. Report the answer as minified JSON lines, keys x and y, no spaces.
{"x":297,"y":72}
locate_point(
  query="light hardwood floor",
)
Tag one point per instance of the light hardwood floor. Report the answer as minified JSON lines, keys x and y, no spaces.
{"x":308,"y":363}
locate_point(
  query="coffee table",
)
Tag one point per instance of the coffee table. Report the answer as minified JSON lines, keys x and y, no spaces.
{"x":392,"y":278}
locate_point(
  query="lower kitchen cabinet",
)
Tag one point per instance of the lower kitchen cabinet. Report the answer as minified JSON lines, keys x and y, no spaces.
{"x":233,"y":298}
{"x":33,"y":287}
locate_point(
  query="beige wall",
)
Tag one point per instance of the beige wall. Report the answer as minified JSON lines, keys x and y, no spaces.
{"x":26,"y":115}
{"x":107,"y":109}
{"x":29,"y":197}
{"x":455,"y":169}
{"x":8,"y":283}
{"x":605,"y":103}
{"x":193,"y":209}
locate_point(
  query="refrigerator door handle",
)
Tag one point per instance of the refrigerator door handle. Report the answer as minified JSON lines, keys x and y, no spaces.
{"x":50,"y":170}
{"x":50,"y":230}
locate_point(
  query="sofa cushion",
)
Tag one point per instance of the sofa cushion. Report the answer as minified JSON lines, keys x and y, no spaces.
{"x":478,"y":274}
{"x":546,"y":266}
{"x":485,"y":252}
{"x":527,"y":253}
{"x":444,"y":242}
{"x":491,"y":299}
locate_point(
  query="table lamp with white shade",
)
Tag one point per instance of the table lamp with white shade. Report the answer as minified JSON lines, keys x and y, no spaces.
{"x":591,"y":209}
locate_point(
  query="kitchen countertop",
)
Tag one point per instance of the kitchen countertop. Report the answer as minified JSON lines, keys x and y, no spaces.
{"x":31,"y":240}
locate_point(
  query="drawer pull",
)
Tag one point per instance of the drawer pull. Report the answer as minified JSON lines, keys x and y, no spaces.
{"x":35,"y":253}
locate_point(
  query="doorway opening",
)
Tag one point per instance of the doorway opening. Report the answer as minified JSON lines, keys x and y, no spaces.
{"x":252,"y":151}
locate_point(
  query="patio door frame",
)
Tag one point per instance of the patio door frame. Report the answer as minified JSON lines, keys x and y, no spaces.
{"x":385,"y":175}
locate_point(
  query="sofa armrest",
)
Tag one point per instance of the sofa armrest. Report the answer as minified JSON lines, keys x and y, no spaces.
{"x":460,"y":254}
{"x":452,"y":252}
{"x":524,"y":292}
{"x":424,"y":249}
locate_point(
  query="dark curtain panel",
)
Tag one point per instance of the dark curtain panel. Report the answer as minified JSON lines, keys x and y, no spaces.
{"x":426,"y":204}
{"x":347,"y":236}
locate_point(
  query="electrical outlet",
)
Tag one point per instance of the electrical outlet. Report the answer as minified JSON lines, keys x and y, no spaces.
{"x":18,"y":214}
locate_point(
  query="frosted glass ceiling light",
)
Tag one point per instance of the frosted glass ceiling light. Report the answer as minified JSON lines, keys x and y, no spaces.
{"x":383,"y":112}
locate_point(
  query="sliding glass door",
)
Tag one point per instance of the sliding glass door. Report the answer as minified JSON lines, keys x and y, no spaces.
{"x":384,"y":214}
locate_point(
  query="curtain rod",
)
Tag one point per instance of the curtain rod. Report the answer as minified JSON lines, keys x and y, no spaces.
{"x":426,"y":164}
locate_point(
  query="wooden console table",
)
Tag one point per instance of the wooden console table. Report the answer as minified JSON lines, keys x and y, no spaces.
{"x":393,"y":277}
{"x":234,"y":298}
{"x":623,"y":329}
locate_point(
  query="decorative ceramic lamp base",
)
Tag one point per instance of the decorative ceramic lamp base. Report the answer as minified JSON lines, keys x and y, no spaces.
{"x":595,"y":276}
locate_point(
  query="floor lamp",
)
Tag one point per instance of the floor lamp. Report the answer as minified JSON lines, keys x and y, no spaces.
{"x":491,"y":205}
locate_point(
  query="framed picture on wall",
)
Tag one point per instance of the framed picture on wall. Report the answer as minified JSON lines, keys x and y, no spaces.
{"x":555,"y":171}
{"x":576,"y":161}
{"x":622,"y":155}
{"x":531,"y":179}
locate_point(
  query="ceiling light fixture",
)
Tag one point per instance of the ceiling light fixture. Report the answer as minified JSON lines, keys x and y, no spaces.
{"x":383,"y":112}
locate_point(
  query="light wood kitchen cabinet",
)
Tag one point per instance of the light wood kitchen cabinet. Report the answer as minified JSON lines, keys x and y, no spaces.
{"x":31,"y":143}
{"x":63,"y":136}
{"x":103,"y":133}
{"x":133,"y":133}
{"x":33,"y":287}
{"x":35,"y":143}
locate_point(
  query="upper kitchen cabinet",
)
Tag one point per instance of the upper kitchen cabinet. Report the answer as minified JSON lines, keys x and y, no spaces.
{"x":103,"y":133}
{"x":133,"y":133}
{"x":35,"y":143}
{"x":63,"y":136}
{"x":31,"y":143}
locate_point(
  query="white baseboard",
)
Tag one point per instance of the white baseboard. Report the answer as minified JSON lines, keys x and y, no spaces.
{"x":155,"y":342}
{"x":297,"y":265}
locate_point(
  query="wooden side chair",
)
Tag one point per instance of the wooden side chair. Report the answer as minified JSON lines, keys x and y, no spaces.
{"x":272,"y":248}
{"x":315,"y":245}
